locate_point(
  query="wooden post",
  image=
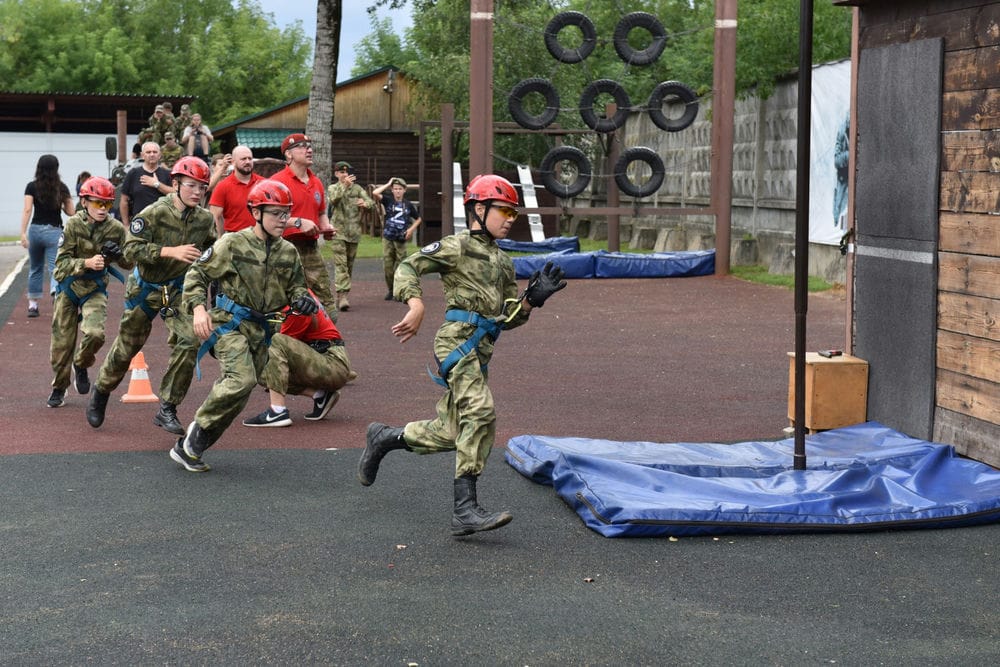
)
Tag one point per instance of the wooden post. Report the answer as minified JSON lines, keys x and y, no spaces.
{"x":447,"y":184}
{"x":481,"y":89}
{"x":723,"y":114}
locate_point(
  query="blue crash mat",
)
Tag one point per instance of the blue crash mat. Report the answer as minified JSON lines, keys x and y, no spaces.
{"x":603,"y":264}
{"x":553,"y":244}
{"x":863,"y":477}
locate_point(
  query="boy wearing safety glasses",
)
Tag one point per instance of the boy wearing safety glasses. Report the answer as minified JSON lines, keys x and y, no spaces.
{"x":163,"y":240}
{"x":90,"y":242}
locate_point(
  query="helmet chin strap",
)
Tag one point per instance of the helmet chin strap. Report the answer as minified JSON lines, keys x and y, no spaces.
{"x":482,"y":221}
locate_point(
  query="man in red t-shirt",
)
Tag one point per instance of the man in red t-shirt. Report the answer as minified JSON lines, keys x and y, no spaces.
{"x":307,"y":358}
{"x":229,"y":198}
{"x":309,"y":218}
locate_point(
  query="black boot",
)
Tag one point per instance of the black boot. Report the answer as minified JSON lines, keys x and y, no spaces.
{"x":95,"y":409}
{"x":380,"y":440}
{"x":166,"y":419}
{"x":469,"y":517}
{"x":196,"y":440}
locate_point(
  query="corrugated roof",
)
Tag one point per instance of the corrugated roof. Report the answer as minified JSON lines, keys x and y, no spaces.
{"x":257,"y":137}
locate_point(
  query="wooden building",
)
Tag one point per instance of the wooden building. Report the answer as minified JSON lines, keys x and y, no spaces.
{"x":926,"y":292}
{"x":374,"y":128}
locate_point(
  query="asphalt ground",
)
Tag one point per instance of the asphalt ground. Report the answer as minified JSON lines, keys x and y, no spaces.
{"x":111,"y":554}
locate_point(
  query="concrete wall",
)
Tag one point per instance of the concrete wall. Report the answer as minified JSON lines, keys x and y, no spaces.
{"x":19,"y":153}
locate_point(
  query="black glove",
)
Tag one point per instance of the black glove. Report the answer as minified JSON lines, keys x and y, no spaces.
{"x":544,"y":284}
{"x":111,"y":251}
{"x":304,"y":305}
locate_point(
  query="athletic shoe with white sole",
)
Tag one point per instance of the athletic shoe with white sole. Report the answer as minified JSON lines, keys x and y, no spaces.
{"x":56,"y":398}
{"x":322,"y":405}
{"x":269,"y":419}
{"x":190,"y":464}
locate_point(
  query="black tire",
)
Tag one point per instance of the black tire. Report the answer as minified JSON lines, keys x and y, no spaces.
{"x":515,"y":103}
{"x":647,"y":22}
{"x":673,"y":89}
{"x":561,"y":53}
{"x":639,"y":154}
{"x":589,"y":96}
{"x":565,"y":154}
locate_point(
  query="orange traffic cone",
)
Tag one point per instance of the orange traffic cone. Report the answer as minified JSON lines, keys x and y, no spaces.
{"x":139,"y":389}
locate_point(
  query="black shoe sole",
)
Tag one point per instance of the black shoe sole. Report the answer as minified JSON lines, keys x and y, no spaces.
{"x":501,"y":521}
{"x":176,"y":430}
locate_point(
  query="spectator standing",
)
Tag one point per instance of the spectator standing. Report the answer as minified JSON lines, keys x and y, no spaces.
{"x":306,"y":358}
{"x":347,"y":199}
{"x":45,"y":199}
{"x":91,"y":241}
{"x":182,"y":120}
{"x":401,"y":220}
{"x":258,"y":274}
{"x":481,"y":292}
{"x":309,"y":214}
{"x":196,"y":138}
{"x":145,"y":184}
{"x":163,"y":240}
{"x":229,"y":198}
{"x":171,"y":151}
{"x":159,"y":124}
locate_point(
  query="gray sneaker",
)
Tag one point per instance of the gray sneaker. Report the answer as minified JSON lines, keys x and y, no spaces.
{"x":190,"y":464}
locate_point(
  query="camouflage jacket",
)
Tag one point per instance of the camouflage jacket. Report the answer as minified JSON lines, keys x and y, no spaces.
{"x":80,"y":241}
{"x":345,"y":215}
{"x":161,"y":225}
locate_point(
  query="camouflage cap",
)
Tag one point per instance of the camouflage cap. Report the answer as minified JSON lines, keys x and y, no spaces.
{"x":342,"y":166}
{"x":397,"y":181}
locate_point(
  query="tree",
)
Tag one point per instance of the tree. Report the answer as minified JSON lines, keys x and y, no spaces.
{"x":319,"y":122}
{"x":231,"y":58}
{"x":379,"y":48}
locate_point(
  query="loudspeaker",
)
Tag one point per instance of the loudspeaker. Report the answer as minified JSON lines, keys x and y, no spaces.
{"x":111,"y":148}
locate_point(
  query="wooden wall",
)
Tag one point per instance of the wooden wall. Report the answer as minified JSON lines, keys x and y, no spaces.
{"x":967,"y":402}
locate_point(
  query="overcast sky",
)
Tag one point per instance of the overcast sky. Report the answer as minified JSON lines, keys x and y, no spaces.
{"x":354,"y":25}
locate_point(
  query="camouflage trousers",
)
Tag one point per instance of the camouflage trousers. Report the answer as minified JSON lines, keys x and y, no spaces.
{"x":134,"y":330}
{"x":344,"y":253}
{"x":293,"y":367}
{"x":393,"y":252}
{"x":318,"y":277}
{"x":66,"y":319}
{"x":241,"y":361}
{"x":465,"y":423}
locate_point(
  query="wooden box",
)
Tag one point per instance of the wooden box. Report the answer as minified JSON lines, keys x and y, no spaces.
{"x":836,"y":391}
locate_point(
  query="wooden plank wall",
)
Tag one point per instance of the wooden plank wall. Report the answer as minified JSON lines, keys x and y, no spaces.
{"x":968,"y":346}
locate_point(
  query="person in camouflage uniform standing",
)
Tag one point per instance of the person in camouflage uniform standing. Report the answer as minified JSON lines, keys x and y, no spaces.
{"x":482,"y":301}
{"x":258,"y":274}
{"x":90,"y":242}
{"x":346,"y":199}
{"x":163,"y":240}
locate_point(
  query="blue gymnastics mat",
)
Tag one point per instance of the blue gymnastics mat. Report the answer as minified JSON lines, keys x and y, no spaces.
{"x":603,"y":264}
{"x":863,"y":477}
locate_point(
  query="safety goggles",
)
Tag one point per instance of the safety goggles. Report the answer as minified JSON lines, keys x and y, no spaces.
{"x":507,"y":211}
{"x":101,"y":204}
{"x":194,"y":185}
{"x":281,"y":214}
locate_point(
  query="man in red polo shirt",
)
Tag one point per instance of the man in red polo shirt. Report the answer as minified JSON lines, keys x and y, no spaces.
{"x":308,"y":217}
{"x":229,"y":198}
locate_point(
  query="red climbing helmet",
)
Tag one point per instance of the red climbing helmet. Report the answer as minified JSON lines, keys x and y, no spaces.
{"x":97,"y":187}
{"x":269,"y":192}
{"x":192,"y":167}
{"x":489,"y":187}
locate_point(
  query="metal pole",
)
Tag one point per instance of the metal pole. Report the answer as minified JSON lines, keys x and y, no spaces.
{"x":447,"y":184}
{"x":802,"y":226}
{"x":481,"y":88}
{"x":723,"y":114}
{"x":614,"y":228}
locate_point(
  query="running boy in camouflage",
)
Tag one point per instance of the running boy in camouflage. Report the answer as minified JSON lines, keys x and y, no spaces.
{"x":482,"y":300}
{"x":258,"y":273}
{"x":90,"y":242}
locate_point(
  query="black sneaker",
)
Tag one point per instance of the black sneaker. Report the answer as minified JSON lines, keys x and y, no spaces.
{"x":322,"y":405}
{"x":56,"y":398}
{"x":388,"y":296}
{"x":190,"y":464}
{"x":269,"y":419}
{"x":32,"y":311}
{"x":81,"y":382}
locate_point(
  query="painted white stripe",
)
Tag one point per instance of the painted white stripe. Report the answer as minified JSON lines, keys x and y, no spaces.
{"x":915,"y":256}
{"x":479,"y":16}
{"x":725,"y":23}
{"x":5,"y":285}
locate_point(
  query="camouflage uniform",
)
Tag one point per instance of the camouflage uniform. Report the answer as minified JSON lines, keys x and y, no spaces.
{"x":476,"y":276}
{"x":168,"y":156}
{"x":264,"y":276}
{"x":293,"y":366}
{"x":159,"y":224}
{"x":81,"y":239}
{"x":345,"y":216}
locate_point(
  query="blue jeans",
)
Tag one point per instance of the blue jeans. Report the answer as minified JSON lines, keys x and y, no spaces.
{"x":43,"y":243}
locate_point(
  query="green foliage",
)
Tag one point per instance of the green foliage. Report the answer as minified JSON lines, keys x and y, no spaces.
{"x":232,"y":58}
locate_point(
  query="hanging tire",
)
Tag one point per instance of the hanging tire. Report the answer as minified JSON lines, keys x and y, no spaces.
{"x":677,"y":91}
{"x":563,"y":20}
{"x":589,"y":96}
{"x":515,"y":103}
{"x":647,"y":22}
{"x":548,"y":171}
{"x":639,"y":154}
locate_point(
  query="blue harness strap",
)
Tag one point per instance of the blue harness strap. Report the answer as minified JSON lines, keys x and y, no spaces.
{"x":239,"y":313}
{"x":99,"y":277}
{"x":147,"y":288}
{"x":484,"y":327}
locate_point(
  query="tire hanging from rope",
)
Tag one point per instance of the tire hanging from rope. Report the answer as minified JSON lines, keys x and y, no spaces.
{"x":553,"y":184}
{"x":645,"y":21}
{"x":563,"y":20}
{"x":515,"y":103}
{"x":639,"y":154}
{"x":589,"y":96}
{"x":672,"y":91}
